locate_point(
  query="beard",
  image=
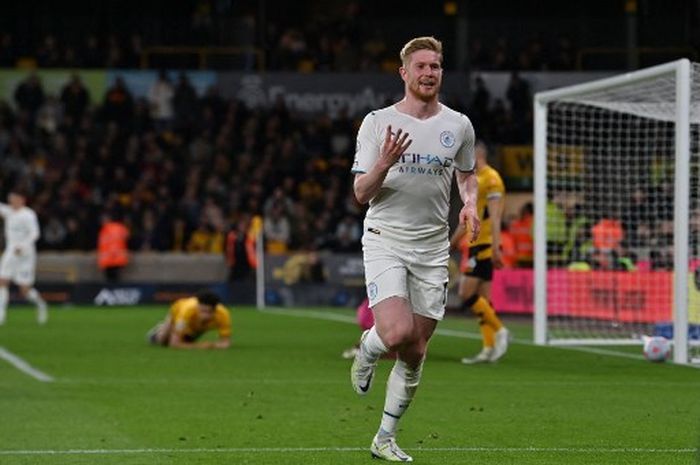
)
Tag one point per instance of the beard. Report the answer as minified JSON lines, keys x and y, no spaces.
{"x":424,"y":93}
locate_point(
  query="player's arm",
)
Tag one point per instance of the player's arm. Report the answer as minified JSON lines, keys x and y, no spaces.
{"x":468,"y":186}
{"x":5,"y":209}
{"x":223,"y":320}
{"x":495,"y":206}
{"x":178,"y":342}
{"x":222,"y":343}
{"x":367,"y":185}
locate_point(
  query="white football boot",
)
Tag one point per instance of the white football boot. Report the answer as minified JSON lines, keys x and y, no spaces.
{"x":482,"y":357}
{"x":388,"y":450}
{"x":362,"y":372}
{"x":501,"y":345}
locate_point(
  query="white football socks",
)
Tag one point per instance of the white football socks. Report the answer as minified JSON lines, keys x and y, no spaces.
{"x":4,"y":297}
{"x":372,"y":346}
{"x":400,"y":389}
{"x":34,"y":297}
{"x":41,"y":312}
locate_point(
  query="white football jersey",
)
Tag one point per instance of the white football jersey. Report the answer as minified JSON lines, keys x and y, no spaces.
{"x":21,"y":228}
{"x":414,"y":200}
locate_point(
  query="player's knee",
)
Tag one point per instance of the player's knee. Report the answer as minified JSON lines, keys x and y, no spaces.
{"x":398,"y":335}
{"x":471,"y":300}
{"x":414,"y":354}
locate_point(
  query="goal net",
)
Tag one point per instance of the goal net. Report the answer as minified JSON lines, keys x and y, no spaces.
{"x":617,"y":196}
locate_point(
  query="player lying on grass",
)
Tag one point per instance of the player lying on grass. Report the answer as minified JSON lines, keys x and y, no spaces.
{"x":191,"y":317}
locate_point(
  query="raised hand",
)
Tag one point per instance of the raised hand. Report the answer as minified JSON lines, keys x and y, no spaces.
{"x":394,"y":147}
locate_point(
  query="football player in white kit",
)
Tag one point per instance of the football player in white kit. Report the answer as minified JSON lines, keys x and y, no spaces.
{"x":405,"y":160}
{"x":18,"y":261}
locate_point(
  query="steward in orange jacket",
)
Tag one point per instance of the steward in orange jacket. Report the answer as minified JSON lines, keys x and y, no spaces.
{"x":112,"y":253}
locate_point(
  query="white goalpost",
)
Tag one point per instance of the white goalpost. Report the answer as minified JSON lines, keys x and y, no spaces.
{"x":617,"y":210}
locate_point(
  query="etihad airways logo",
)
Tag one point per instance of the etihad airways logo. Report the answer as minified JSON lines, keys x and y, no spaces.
{"x":426,"y":159}
{"x":425,"y":164}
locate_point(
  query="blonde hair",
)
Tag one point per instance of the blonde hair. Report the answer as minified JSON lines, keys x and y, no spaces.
{"x":420,"y":43}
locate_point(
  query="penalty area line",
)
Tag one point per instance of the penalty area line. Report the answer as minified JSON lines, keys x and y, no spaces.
{"x":330,"y":316}
{"x":263,"y":450}
{"x":24,"y":367}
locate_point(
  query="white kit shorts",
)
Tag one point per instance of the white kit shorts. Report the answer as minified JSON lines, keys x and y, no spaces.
{"x":19,"y":269}
{"x":415,"y":271}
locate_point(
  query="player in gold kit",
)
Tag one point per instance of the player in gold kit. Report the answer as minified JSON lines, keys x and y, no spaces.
{"x":484,"y":255}
{"x":190,"y":318}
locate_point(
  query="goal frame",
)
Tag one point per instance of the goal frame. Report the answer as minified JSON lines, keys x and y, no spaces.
{"x":681,"y":69}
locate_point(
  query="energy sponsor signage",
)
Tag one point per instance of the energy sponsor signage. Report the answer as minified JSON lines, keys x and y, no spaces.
{"x":642,"y":296}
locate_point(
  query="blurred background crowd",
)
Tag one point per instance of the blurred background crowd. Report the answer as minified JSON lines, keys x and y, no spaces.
{"x":183,"y":170}
{"x":341,"y":36}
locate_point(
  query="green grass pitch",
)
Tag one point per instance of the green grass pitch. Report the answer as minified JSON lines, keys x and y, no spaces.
{"x":281,"y":395}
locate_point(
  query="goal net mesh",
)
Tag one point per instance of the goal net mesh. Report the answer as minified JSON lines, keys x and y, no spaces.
{"x":610,"y":211}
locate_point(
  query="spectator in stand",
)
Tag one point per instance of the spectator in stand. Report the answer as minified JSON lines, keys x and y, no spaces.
{"x":29,"y":96}
{"x":206,"y":239}
{"x":556,"y":231}
{"x":160,"y":96}
{"x":240,"y":252}
{"x":49,"y":117}
{"x":279,"y":198}
{"x":638,"y":220}
{"x":70,"y":58}
{"x":112,"y":251}
{"x":8,"y":53}
{"x":133,"y":52}
{"x":290,"y":50}
{"x":519,"y":98}
{"x":521,"y":230}
{"x":508,"y":250}
{"x":75,"y":99}
{"x":563,"y":56}
{"x":115,"y":56}
{"x":48,"y":55}
{"x":478,"y":56}
{"x":608,"y":236}
{"x":118,"y":104}
{"x":278,"y":232}
{"x":348,"y":234}
{"x":92,"y":55}
{"x":185,"y":105}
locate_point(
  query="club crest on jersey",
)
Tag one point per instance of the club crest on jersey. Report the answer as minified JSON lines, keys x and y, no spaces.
{"x":372,"y":290}
{"x":447,"y":139}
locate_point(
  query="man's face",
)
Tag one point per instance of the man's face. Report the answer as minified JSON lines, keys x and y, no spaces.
{"x":423,"y":74}
{"x":16,"y":201}
{"x":206,"y":313}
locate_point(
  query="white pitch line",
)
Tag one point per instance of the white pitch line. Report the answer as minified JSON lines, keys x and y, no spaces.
{"x":460,"y":334}
{"x":23,"y":366}
{"x":264,"y":450}
{"x":312,"y":314}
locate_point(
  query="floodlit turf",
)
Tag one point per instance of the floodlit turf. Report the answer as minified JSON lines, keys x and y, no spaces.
{"x":281,"y":395}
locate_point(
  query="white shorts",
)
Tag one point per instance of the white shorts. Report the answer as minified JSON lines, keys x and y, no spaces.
{"x":418,"y":274}
{"x":19,"y":269}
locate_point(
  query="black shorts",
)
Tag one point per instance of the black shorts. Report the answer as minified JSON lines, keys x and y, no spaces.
{"x":479,"y":268}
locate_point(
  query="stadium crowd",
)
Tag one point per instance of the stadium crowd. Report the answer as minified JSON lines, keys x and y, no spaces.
{"x":295,"y":50}
{"x":348,"y":37}
{"x":179,"y":179}
{"x":181,"y":170}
